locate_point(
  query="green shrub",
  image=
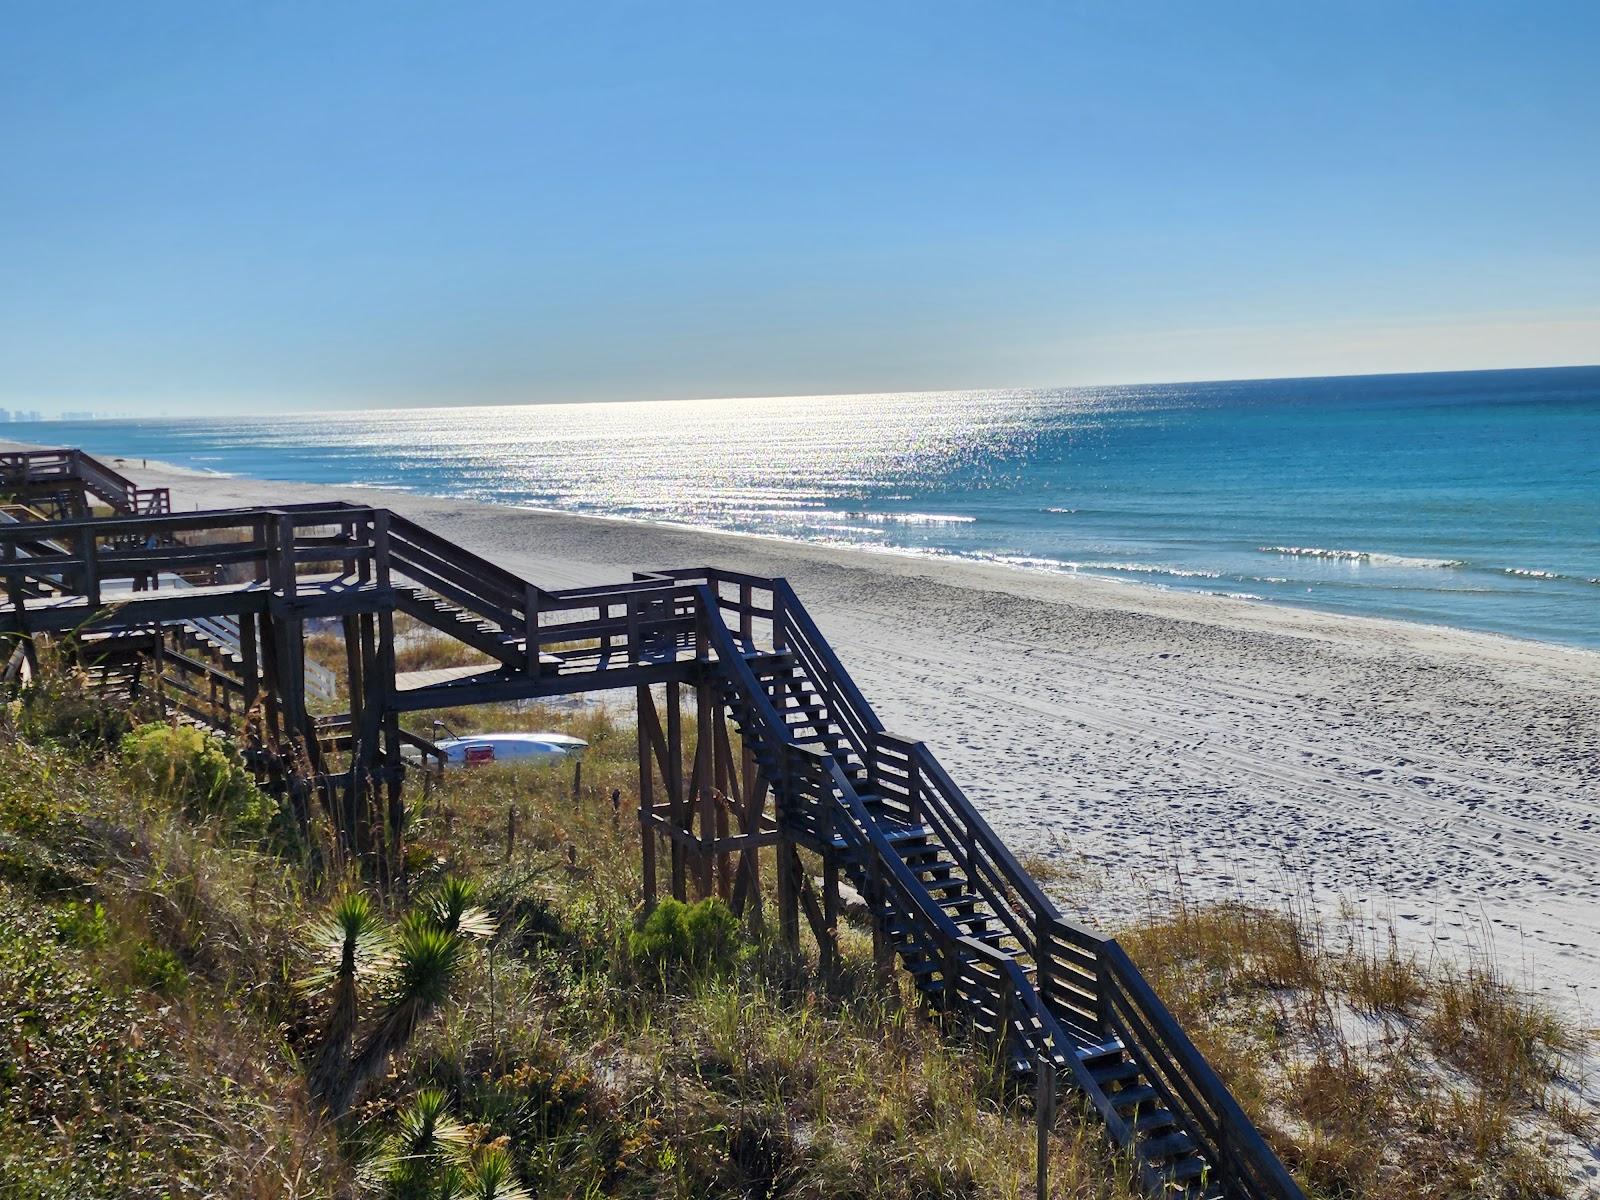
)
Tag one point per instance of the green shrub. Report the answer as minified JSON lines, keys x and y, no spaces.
{"x":158,"y":968}
{"x":83,"y":923}
{"x":697,"y":938}
{"x":198,"y":771}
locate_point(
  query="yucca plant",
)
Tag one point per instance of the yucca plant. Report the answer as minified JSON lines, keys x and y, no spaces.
{"x":493,"y":1177}
{"x":352,"y":953}
{"x":427,"y":960}
{"x":451,"y":908}
{"x":425,"y":1153}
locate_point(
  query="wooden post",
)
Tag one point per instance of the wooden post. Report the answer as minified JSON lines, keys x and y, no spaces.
{"x":788,"y":896}
{"x":705,"y":799}
{"x":1044,"y":1107}
{"x":675,"y":796}
{"x":829,"y":945}
{"x":530,"y":629}
{"x":393,"y":770}
{"x":88,"y":550}
{"x":353,"y":672}
{"x":722,"y":784}
{"x":788,"y":899}
{"x":878,"y":901}
{"x":380,"y":552}
{"x":284,"y":582}
{"x":647,"y":832}
{"x":577,"y":782}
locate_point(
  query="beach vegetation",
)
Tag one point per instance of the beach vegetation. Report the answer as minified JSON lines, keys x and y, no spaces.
{"x":193,"y":1012}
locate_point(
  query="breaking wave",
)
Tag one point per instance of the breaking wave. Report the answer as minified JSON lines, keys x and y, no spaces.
{"x":1366,"y":556}
{"x":887,"y":518}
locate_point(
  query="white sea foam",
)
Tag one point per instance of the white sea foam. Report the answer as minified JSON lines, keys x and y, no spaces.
{"x":1028,"y":560}
{"x":1530,"y":573}
{"x":1147,"y":569}
{"x":1062,"y":511}
{"x":1375,"y":557}
{"x":890,"y":518}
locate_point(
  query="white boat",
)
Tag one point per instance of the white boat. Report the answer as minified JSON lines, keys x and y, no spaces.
{"x":511,"y":747}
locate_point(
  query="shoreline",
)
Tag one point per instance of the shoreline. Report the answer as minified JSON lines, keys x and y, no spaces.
{"x":1446,"y":779}
{"x":215,"y":482}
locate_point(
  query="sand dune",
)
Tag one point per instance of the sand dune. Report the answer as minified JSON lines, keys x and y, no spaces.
{"x":1449,"y":781}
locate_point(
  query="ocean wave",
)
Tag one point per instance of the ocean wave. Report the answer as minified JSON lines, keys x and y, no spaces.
{"x":1070,"y":565}
{"x":864,"y":530}
{"x":1028,"y":560}
{"x":1531,"y":573}
{"x":1376,"y":557}
{"x":1147,"y":569}
{"x":888,"y":518}
{"x":1060,"y":511}
{"x":1237,"y":595}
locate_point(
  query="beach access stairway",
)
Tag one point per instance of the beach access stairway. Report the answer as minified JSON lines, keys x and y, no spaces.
{"x":62,"y":479}
{"x":1064,"y":1007}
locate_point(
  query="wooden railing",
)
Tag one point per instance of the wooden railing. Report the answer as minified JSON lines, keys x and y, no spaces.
{"x":1085,"y":990}
{"x":23,"y":468}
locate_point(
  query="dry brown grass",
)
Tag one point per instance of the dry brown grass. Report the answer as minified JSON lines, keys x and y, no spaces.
{"x":1373,"y":1075}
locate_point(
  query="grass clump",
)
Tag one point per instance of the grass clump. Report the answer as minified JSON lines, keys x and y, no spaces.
{"x":198,"y":771}
{"x":694,"y":939}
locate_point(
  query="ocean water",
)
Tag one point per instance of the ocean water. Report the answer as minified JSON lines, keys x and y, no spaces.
{"x":1466,"y":499}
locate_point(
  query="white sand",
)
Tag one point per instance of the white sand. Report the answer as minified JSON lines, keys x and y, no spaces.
{"x":1447,"y":780}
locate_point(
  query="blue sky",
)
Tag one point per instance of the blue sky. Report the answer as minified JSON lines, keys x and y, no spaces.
{"x":242,"y":207}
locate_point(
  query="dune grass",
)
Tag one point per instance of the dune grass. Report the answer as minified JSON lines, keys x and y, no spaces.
{"x":155,"y":953}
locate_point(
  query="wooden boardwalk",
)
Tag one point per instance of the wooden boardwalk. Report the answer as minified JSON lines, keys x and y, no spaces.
{"x":789,"y":757}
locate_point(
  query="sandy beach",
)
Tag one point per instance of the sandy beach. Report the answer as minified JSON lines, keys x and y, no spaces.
{"x":1445,"y":781}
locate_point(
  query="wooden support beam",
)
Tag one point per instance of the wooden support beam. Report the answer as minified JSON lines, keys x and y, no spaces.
{"x":829,"y":942}
{"x":674,"y":783}
{"x":721,"y":785}
{"x":788,"y":869}
{"x":645,"y":703}
{"x":705,"y":803}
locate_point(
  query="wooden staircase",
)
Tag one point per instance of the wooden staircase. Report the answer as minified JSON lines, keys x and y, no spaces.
{"x":942,"y":891}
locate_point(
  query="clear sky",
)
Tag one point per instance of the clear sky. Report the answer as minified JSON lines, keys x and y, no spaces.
{"x":276,"y":205}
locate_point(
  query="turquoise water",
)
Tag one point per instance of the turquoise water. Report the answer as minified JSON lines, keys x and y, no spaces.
{"x":1467,"y":499}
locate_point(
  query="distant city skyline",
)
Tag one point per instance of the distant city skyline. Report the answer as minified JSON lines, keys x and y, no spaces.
{"x":287,"y":208}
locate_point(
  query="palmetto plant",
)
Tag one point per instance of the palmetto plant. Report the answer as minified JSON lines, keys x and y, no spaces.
{"x":429,"y":1148}
{"x":426,"y":962}
{"x":492,"y":1177}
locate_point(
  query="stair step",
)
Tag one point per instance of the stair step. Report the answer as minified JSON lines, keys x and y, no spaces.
{"x":961,"y":922}
{"x":1132,"y":1097}
{"x":1154,"y":1122}
{"x":1179,"y":1171}
{"x":1167,"y":1145}
{"x":1118,"y":1072}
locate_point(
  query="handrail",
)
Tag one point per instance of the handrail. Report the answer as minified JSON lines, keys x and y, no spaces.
{"x":795,"y":615}
{"x":1084,"y":980}
{"x":1238,"y":1150}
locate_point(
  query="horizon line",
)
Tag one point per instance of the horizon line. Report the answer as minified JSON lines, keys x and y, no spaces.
{"x":466,"y":404}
